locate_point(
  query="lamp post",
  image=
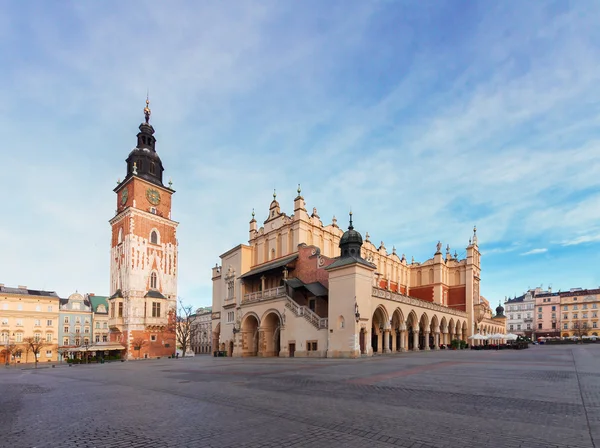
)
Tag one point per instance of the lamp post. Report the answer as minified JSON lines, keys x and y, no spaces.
{"x":356,"y":313}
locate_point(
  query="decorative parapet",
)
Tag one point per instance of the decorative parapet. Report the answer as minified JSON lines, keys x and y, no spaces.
{"x":383,"y":294}
{"x":264,"y":295}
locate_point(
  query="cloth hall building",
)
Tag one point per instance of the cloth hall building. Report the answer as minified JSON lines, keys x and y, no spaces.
{"x":305,"y":289}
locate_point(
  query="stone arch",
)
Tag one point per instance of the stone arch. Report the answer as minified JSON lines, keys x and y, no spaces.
{"x":380,"y":324}
{"x":412,"y":331}
{"x":397,"y":330}
{"x":270,"y":333}
{"x":249,"y":334}
{"x":216,"y":335}
{"x":424,"y":332}
{"x":464,"y":330}
{"x":341,"y":323}
{"x":412,"y":321}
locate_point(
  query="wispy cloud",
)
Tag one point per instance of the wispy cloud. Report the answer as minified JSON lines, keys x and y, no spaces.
{"x":377,"y":106}
{"x":535,"y":251}
{"x":583,"y":239}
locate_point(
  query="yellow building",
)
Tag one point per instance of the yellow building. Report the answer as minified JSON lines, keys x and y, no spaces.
{"x":579,"y":309}
{"x":302,"y":288}
{"x":27,"y":313}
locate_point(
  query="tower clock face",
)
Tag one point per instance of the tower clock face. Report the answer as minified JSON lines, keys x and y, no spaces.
{"x":124,"y":196}
{"x":153,"y":196}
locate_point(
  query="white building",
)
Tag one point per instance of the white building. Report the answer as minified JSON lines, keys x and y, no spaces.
{"x":520,"y":313}
{"x":202,"y":336}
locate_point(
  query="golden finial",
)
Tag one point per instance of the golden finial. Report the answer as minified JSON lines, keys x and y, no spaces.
{"x":274,"y":194}
{"x":147,"y":111}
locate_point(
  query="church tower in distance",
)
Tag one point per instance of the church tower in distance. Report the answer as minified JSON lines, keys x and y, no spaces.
{"x":143,"y":257}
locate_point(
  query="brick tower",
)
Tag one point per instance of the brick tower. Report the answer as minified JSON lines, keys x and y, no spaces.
{"x":143,"y":261}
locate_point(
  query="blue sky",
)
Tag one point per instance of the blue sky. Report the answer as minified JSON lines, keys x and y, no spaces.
{"x":425,"y":118}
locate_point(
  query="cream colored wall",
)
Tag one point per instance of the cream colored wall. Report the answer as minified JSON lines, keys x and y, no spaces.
{"x":295,"y":329}
{"x":28,"y":315}
{"x":348,"y":285}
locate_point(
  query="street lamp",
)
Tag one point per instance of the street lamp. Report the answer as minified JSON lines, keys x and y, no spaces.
{"x":356,"y":313}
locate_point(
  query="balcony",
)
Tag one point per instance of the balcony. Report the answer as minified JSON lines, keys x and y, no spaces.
{"x":264,"y":295}
{"x":528,"y":319}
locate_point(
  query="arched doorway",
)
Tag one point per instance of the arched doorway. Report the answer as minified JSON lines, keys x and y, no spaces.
{"x":249,"y":335}
{"x":424,"y":337}
{"x":411,"y":325}
{"x":379,"y":322}
{"x":397,"y":328}
{"x":216,"y":335}
{"x":271,"y":335}
{"x":361,"y":341}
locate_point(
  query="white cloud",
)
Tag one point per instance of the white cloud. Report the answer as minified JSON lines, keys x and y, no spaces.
{"x":266,"y":99}
{"x":535,"y":251}
{"x":583,"y":239}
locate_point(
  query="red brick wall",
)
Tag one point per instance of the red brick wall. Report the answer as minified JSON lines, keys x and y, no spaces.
{"x":423,"y":293}
{"x":457,"y":297}
{"x":153,"y":349}
{"x":307,"y":269}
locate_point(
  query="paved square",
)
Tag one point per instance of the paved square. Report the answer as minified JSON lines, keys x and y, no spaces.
{"x":542,"y":397}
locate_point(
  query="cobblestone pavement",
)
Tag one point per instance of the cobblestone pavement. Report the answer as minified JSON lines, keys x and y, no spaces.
{"x":542,"y":397}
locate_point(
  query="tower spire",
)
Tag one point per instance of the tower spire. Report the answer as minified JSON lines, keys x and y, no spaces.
{"x":350,"y":227}
{"x":147,"y":111}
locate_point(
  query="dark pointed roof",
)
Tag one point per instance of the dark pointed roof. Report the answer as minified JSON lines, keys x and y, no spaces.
{"x":350,"y":246}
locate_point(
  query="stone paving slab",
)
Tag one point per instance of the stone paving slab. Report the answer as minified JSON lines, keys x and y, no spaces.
{"x":547,"y":396}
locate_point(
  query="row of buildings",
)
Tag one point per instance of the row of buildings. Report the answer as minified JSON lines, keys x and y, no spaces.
{"x":65,"y":326}
{"x":547,"y":313}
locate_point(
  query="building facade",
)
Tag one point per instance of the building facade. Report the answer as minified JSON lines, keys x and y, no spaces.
{"x":28,"y":313}
{"x":301,"y":288}
{"x":144,"y":257}
{"x":75,"y":325}
{"x":520,"y":313}
{"x":547,"y":314}
{"x":202,"y":335}
{"x":100,"y":332}
{"x":579,"y":309}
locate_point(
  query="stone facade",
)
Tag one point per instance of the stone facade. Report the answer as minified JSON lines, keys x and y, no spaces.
{"x":144,"y":256}
{"x":287,"y":293}
{"x":579,"y":309}
{"x":520,"y":313}
{"x":202,"y":334}
{"x":75,"y":325}
{"x":27,"y":313}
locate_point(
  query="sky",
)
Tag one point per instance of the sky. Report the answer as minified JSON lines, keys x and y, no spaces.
{"x":424,"y":118}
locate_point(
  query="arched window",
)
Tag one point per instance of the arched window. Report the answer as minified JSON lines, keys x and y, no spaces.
{"x":341,"y":322}
{"x":153,"y":280}
{"x":154,"y":237}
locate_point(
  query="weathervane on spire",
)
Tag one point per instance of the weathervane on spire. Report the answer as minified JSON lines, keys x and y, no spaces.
{"x":147,"y":111}
{"x":350,"y":227}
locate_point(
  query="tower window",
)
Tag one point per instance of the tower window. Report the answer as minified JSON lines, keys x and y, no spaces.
{"x":153,"y":280}
{"x":152,"y":168}
{"x":154,"y":237}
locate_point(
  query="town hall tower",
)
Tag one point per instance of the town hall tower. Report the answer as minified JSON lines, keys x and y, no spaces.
{"x":143,"y":264}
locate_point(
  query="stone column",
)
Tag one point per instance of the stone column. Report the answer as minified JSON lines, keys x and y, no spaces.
{"x":426,"y":340}
{"x":394,"y":341}
{"x":403,"y":340}
{"x":262,"y":283}
{"x":436,"y":339}
{"x":386,"y":341}
{"x":415,"y":340}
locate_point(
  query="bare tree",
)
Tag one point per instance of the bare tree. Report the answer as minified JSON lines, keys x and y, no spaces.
{"x":580,"y":329}
{"x":9,"y":349}
{"x":185,"y":327}
{"x":35,"y":346}
{"x":138,"y":343}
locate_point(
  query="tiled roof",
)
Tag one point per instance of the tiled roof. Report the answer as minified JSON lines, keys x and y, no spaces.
{"x":99,"y":300}
{"x":27,"y":292}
